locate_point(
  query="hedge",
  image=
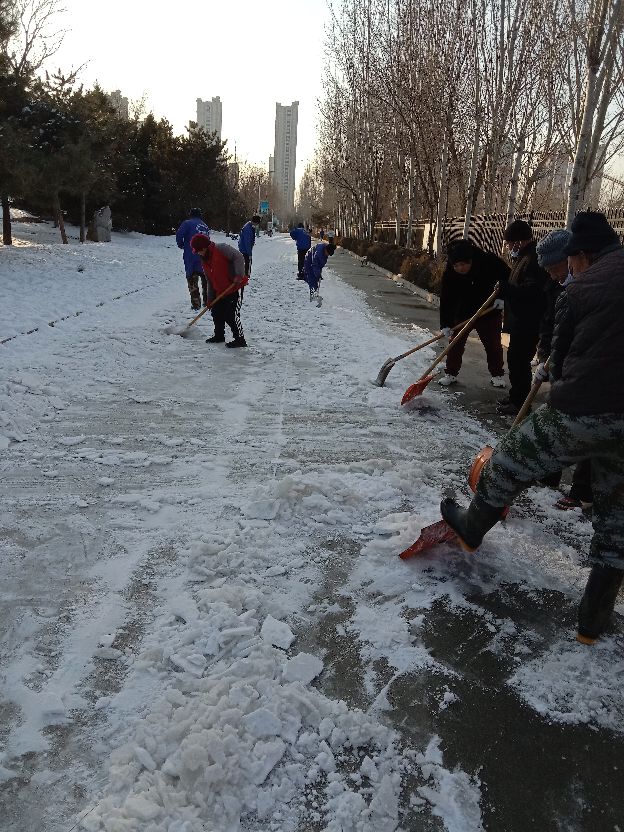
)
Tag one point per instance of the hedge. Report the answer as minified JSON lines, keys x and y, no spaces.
{"x":413,"y":265}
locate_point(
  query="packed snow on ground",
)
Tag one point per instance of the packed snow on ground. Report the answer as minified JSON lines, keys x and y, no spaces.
{"x":179,"y":524}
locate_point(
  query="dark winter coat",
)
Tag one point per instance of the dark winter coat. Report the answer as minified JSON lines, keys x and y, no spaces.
{"x":588,"y":340}
{"x":524,"y":294}
{"x":552,"y":290}
{"x":184,"y":234}
{"x":462,"y":294}
{"x":247,"y":239}
{"x":301,"y":238}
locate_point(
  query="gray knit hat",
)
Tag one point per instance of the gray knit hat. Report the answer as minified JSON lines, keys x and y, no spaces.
{"x":551,"y":249}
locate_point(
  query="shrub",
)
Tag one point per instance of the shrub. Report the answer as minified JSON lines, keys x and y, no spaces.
{"x":413,"y":265}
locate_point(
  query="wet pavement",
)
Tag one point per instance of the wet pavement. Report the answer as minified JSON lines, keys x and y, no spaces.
{"x":535,"y":774}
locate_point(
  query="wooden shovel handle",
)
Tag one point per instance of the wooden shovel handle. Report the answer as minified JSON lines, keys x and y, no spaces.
{"x":419,"y":347}
{"x":432,"y":340}
{"x":483,"y":309}
{"x":529,"y":400}
{"x":212,"y":303}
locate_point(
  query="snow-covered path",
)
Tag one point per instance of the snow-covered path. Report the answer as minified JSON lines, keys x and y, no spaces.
{"x":199,"y":564}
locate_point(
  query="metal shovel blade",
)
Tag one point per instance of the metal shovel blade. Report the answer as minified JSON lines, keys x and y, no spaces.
{"x":383,"y":373}
{"x":430,"y":536}
{"x":416,"y":389}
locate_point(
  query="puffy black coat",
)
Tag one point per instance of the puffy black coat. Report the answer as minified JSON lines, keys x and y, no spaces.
{"x":524,"y":293}
{"x":552,"y":291}
{"x":462,"y":294}
{"x":587,"y":351}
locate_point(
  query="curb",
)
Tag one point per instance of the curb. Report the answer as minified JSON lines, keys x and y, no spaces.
{"x":429,"y":297}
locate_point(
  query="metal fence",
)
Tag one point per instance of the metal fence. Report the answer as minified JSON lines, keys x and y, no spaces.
{"x":486,"y":230}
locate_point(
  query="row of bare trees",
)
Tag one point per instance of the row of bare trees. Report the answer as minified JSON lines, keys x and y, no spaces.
{"x":449,"y":107}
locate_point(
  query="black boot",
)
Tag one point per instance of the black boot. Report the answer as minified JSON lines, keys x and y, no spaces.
{"x":597,"y":602}
{"x":470,"y":524}
{"x":216,"y":339}
{"x":237,"y":342}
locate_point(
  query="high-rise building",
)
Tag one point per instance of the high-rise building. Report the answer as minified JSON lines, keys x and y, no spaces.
{"x":209,"y":115}
{"x":119,"y":102}
{"x":285,"y":154}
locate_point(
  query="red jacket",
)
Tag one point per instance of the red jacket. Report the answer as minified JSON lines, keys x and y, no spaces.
{"x":223,"y":265}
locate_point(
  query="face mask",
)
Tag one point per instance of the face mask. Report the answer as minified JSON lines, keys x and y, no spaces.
{"x":514,"y":255}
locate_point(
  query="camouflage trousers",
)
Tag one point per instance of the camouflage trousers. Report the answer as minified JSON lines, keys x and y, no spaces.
{"x":193,"y":287}
{"x":550,"y":440}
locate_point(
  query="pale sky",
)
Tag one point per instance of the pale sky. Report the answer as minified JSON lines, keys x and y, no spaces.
{"x":251,"y":54}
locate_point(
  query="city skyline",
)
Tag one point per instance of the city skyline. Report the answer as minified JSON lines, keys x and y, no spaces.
{"x":173,"y":73}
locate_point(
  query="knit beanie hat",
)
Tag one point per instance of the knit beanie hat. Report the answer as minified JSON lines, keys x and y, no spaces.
{"x":461,"y":251}
{"x":551,"y":249}
{"x":199,"y":241}
{"x":591,"y":232}
{"x":517,"y":232}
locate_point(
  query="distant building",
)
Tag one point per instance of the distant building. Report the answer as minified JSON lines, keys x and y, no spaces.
{"x":285,"y":154}
{"x":120,"y":103}
{"x":209,"y":115}
{"x":271,"y":169}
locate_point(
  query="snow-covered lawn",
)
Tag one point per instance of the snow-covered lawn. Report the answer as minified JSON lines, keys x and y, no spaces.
{"x":199,"y":574}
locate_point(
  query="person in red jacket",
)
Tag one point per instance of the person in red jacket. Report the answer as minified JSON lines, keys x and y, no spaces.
{"x":224,"y":267}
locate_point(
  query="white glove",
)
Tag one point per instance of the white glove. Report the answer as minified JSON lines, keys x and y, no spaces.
{"x":447,"y":332}
{"x":540,"y":375}
{"x":499,"y":303}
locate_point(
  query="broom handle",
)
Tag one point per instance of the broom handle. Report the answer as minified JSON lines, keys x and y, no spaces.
{"x":211,"y":304}
{"x":480,"y":311}
{"x":529,"y":399}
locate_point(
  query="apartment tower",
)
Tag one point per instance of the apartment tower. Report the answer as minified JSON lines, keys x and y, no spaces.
{"x":209,"y":115}
{"x":285,"y":154}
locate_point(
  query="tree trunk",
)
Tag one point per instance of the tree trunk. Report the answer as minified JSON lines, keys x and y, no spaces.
{"x":410,"y":204}
{"x":579,"y":166}
{"x":515,"y":178}
{"x":470,"y":198}
{"x":7,"y":239}
{"x":58,"y":217}
{"x":83,"y":215}
{"x":442,"y":194}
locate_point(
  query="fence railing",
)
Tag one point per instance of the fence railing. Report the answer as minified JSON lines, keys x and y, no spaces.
{"x":486,"y":230}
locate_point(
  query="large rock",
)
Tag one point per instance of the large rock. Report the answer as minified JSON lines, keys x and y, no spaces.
{"x":101,"y":226}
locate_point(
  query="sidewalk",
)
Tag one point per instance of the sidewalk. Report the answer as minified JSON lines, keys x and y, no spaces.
{"x":401,"y":302}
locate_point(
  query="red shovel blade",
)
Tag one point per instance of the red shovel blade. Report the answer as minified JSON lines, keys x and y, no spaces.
{"x":416,"y":389}
{"x":430,"y":536}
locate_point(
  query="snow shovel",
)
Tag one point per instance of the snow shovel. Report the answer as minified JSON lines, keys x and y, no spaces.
{"x":441,"y":532}
{"x":389,"y":364}
{"x":183,"y":330}
{"x":417,"y":388}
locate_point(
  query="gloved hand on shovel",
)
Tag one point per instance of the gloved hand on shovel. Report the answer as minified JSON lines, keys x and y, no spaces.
{"x":540,"y":375}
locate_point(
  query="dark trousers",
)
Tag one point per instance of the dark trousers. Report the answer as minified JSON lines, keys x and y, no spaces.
{"x":581,"y":482}
{"x":193,"y":287}
{"x":488,"y":328}
{"x":227,"y":311}
{"x":301,"y":253}
{"x":247,"y":264}
{"x":522,"y":346}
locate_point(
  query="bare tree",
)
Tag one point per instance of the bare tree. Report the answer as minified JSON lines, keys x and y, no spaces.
{"x":599,"y":29}
{"x":37,"y":39}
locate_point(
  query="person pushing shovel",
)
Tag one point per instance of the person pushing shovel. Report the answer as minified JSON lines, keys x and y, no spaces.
{"x":583,"y":419}
{"x":224,"y":268}
{"x":469,"y":277}
{"x":313,"y":265}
